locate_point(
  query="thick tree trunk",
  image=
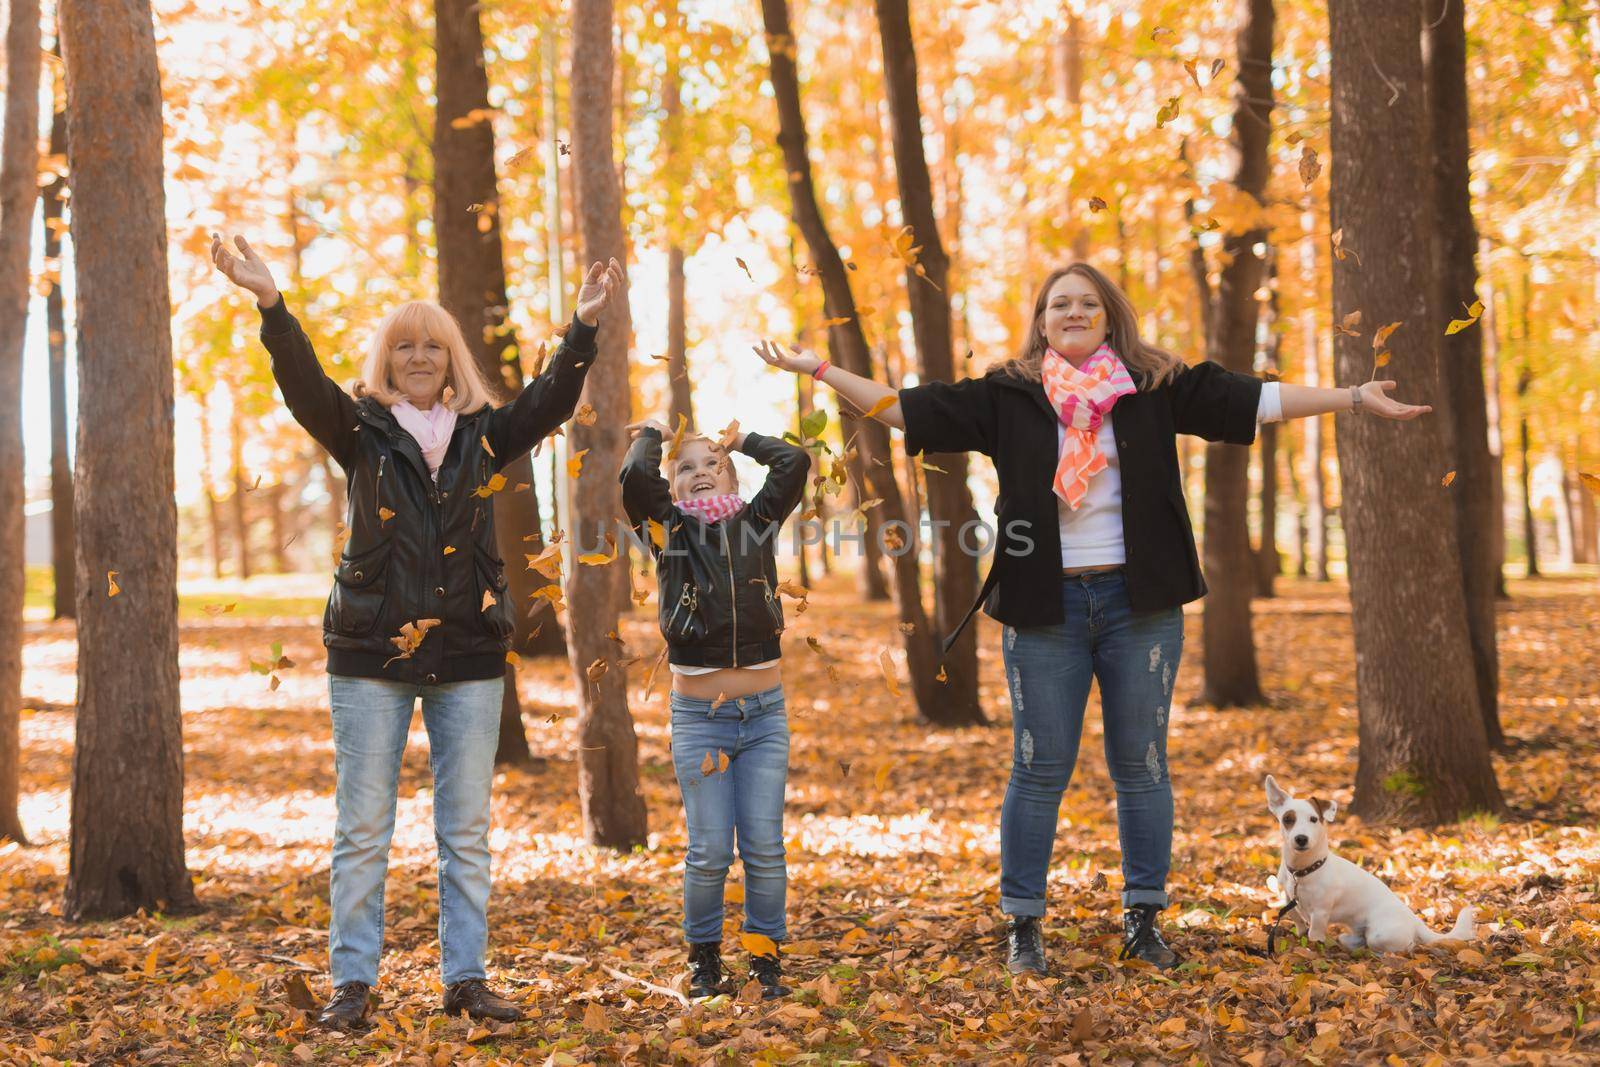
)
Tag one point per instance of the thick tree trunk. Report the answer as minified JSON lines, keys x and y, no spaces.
{"x":1423,"y":757}
{"x":608,"y":768}
{"x":1311,"y":355}
{"x":61,"y":535}
{"x":127,"y":761}
{"x":1490,"y":324}
{"x":1229,"y":653}
{"x":950,"y":506}
{"x":1530,"y":529}
{"x":848,"y":347}
{"x":680,"y":392}
{"x":1444,"y":46}
{"x":1269,"y":563}
{"x":19,"y":187}
{"x":472,"y":287}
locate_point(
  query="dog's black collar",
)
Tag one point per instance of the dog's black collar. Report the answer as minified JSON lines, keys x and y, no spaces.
{"x":1304,"y":871}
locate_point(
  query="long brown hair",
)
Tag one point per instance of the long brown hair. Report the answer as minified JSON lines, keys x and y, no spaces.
{"x":1150,"y":366}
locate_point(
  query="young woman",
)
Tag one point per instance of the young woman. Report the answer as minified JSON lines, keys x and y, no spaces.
{"x":721,"y":618}
{"x":1094,"y":559}
{"x":418,"y":607}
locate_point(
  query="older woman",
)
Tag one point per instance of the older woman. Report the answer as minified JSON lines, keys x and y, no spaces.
{"x":1094,"y":560}
{"x":418,"y":607}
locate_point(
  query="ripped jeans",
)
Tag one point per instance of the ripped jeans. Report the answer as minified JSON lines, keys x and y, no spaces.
{"x":1135,"y":657}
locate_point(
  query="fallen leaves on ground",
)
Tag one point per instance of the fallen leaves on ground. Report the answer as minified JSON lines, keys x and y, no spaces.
{"x":895,"y":936}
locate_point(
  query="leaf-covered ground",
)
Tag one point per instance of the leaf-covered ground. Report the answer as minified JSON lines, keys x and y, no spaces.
{"x":893,"y":864}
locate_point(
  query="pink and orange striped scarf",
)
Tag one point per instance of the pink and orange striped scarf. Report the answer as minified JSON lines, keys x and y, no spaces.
{"x":1082,"y":396}
{"x":712,"y":509}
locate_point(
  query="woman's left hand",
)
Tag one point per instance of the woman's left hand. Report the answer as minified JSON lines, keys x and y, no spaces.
{"x":599,"y":286}
{"x":1375,"y":400}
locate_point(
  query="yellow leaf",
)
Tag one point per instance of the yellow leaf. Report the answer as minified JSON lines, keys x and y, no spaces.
{"x":883,"y":404}
{"x":1448,"y":478}
{"x":840,"y":321}
{"x":449,"y":549}
{"x":575,"y":463}
{"x":600,"y":559}
{"x":112,"y":588}
{"x":488,"y":600}
{"x":484,"y":441}
{"x":1382,"y":336}
{"x":758,"y":944}
{"x":657,"y":532}
{"x":1174,"y":1025}
{"x":881,"y":779}
{"x":1381,"y":361}
{"x":384,"y":514}
{"x":886,"y":662}
{"x":709,"y":764}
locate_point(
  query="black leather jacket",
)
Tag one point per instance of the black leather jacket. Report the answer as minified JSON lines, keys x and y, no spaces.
{"x":718,"y":583}
{"x":417,"y":549}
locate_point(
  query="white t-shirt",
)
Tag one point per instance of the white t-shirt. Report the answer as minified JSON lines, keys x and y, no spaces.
{"x":1091,"y":536}
{"x":679,"y":668}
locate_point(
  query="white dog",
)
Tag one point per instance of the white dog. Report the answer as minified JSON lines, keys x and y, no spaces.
{"x":1330,"y":889}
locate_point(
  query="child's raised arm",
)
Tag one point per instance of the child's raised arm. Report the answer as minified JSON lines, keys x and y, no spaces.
{"x":645,"y":494}
{"x":787,"y":467}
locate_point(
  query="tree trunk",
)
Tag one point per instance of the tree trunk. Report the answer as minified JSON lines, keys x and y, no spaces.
{"x":681,"y":396}
{"x":1529,"y":528}
{"x":127,"y":761}
{"x":1228,"y":652}
{"x":19,"y":169}
{"x":848,"y":347}
{"x":241,"y":524}
{"x":949,"y":499}
{"x":1423,"y":757}
{"x":608,"y":769}
{"x":1490,"y":325}
{"x":208,"y":477}
{"x":472,"y":287}
{"x":1268,"y":561}
{"x":1455,"y":244}
{"x":61,"y":535}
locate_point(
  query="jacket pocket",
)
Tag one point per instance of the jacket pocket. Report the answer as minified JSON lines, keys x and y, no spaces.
{"x":360,"y":589}
{"x":491,"y":573}
{"x":774,"y":606}
{"x":682,"y":621}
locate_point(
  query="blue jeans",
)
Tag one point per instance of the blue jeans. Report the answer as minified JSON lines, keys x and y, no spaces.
{"x":747,"y":798}
{"x":1134,"y":655}
{"x":371,"y":717}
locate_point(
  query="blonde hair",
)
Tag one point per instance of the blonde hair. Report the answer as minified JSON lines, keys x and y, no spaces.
{"x":1150,"y":366}
{"x":466,"y":391}
{"x":695,"y":437}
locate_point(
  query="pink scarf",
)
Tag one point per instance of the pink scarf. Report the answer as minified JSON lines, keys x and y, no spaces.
{"x":431,"y":429}
{"x":712,"y":508}
{"x":1082,"y":396}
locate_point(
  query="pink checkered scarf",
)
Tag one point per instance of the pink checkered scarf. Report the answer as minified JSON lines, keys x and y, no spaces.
{"x":712,"y":508}
{"x":1082,"y":396}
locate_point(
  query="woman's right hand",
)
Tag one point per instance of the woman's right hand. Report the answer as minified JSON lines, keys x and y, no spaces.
{"x":245,"y":270}
{"x":634,"y":428}
{"x":790,"y":359}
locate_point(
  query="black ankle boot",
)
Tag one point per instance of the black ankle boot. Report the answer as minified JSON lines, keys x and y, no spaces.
{"x":769,"y":972}
{"x":705,"y":969}
{"x":1142,"y":941}
{"x":1025,"y":945}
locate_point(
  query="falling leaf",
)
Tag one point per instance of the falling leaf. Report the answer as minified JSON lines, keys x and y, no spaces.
{"x":1382,"y":336}
{"x":883,"y":404}
{"x":1449,"y":477}
{"x":600,"y":559}
{"x":1161,"y":32}
{"x":520,"y":157}
{"x":727,"y":435}
{"x":1096,"y":204}
{"x":547,"y":562}
{"x":215,"y":610}
{"x":1382,"y":360}
{"x":488,"y":600}
{"x":484,"y":441}
{"x":1339,"y":249}
{"x":111,"y":583}
{"x":586,"y":414}
{"x":575,"y":463}
{"x":513,"y":659}
{"x":449,"y":549}
{"x":1309,"y":167}
{"x":1189,"y":65}
{"x":657,"y":532}
{"x":708,"y":766}
{"x":722,"y":761}
{"x":384,"y":514}
{"x":1473,"y":314}
{"x":495,"y":483}
{"x":1216,"y":68}
{"x":840,"y":321}
{"x":886,"y":663}
{"x":941,"y":677}
{"x":1348,"y":324}
{"x":1168,"y":112}
{"x":597,"y":670}
{"x":472,"y":118}
{"x":410,"y":638}
{"x":744,"y":267}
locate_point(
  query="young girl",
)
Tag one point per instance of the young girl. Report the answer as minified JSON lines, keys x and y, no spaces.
{"x":720,"y":615}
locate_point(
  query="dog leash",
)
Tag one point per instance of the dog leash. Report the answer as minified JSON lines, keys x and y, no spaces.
{"x":1277,"y":920}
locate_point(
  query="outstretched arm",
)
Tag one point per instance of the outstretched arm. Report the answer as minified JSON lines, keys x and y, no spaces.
{"x":864,"y":393}
{"x":550,"y":399}
{"x":317,"y":403}
{"x":1300,"y":401}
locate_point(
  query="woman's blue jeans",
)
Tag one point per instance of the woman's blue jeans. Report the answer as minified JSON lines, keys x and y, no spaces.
{"x":371,"y":717}
{"x":743,"y":802}
{"x":1134,"y":655}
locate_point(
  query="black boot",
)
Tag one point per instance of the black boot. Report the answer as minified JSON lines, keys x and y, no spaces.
{"x":348,"y":1008}
{"x":474,"y":998}
{"x":769,"y":972}
{"x":1025,"y":945}
{"x":1142,"y":941}
{"x":705,"y":969}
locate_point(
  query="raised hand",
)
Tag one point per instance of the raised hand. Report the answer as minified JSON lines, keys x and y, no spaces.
{"x":599,"y":286}
{"x":789,"y":359}
{"x":245,"y":270}
{"x":633,"y":428}
{"x":1375,"y":400}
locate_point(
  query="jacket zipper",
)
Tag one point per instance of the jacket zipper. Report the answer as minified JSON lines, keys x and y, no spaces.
{"x":733,"y":592}
{"x":686,"y":599}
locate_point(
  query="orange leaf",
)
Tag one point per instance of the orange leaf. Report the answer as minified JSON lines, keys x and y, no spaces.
{"x":111,"y":583}
{"x":1448,"y":478}
{"x":758,"y":944}
{"x":575,"y":463}
{"x":883,"y":404}
{"x":384,"y":514}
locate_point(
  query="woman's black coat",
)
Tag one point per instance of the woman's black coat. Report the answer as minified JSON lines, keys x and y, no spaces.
{"x":1010,"y":420}
{"x":420,"y":550}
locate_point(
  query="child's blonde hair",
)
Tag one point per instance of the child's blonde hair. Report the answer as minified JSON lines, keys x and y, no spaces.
{"x":694,"y":437}
{"x":466,"y":391}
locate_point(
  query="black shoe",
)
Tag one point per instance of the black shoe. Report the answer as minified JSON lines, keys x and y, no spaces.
{"x":1142,"y":941}
{"x":769,"y":972}
{"x":705,"y":970}
{"x":1025,"y":945}
{"x":474,"y":997}
{"x":348,"y":1008}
